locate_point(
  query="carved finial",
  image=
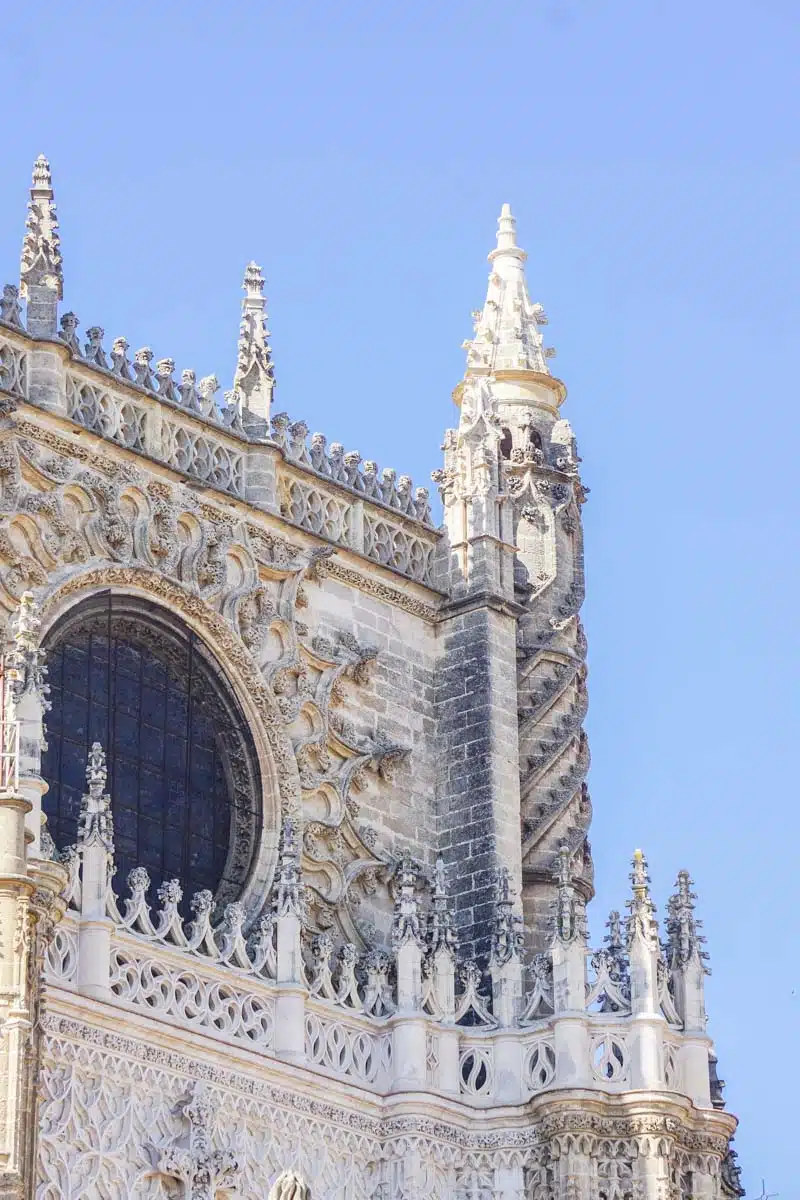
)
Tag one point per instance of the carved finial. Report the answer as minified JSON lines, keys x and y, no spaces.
{"x":93,"y":350}
{"x":684,"y":939}
{"x":506,"y":335}
{"x":24,"y":667}
{"x":507,"y":936}
{"x":406,"y":924}
{"x":641,"y":919}
{"x":96,"y":823}
{"x":120,"y":363}
{"x":613,"y":938}
{"x":40,"y":264}
{"x":564,"y":869}
{"x":255,"y":376}
{"x":506,"y":229}
{"x":441,"y":931}
{"x":289,"y":899}
{"x":615,"y":953}
{"x":69,"y":333}
{"x":569,"y":917}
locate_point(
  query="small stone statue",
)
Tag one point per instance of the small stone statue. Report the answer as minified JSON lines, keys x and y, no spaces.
{"x":289,"y":1186}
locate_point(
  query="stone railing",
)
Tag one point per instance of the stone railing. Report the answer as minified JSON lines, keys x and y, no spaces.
{"x":343,"y":498}
{"x":152,"y":378}
{"x":363,"y":1019}
{"x":183,"y":436}
{"x":139,"y":404}
{"x":350,"y":470}
{"x":229,"y":1004}
{"x":14,"y":374}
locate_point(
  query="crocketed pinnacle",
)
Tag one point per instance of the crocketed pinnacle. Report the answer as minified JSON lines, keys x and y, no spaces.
{"x":641,"y":909}
{"x":254,"y":380}
{"x":40,"y":262}
{"x":684,"y":939}
{"x":507,"y":329}
{"x":568,"y":911}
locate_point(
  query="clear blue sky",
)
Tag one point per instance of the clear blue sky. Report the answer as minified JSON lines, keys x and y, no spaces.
{"x":361,"y":153}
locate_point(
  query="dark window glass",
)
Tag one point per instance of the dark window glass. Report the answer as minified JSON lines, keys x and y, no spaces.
{"x":156,"y":710}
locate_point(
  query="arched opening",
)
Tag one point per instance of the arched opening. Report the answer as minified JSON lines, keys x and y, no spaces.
{"x":183,"y":773}
{"x":506,"y":444}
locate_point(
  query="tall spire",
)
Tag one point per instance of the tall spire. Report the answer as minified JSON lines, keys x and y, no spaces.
{"x":507,"y":329}
{"x":255,"y":376}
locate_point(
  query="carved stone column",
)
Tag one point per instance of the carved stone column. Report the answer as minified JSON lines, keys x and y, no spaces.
{"x":652,"y":1168}
{"x":29,"y":910}
{"x":571,"y":1028}
{"x":29,"y":886}
{"x":96,"y":847}
{"x":290,"y":990}
{"x":570,"y":1154}
{"x":408,"y":1027}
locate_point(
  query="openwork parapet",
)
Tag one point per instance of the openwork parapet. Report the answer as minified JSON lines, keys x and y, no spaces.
{"x":361,"y":1014}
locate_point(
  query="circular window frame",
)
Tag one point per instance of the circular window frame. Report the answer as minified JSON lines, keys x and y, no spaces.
{"x":168,"y":631}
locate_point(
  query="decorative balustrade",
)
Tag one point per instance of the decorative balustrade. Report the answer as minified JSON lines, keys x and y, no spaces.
{"x":136,"y":401}
{"x":13,"y":368}
{"x":220,"y":982}
{"x":224,"y":944}
{"x":61,"y":963}
{"x":346,"y":1048}
{"x":104,"y":412}
{"x":193,"y":999}
{"x":154,"y":379}
{"x":379,"y":515}
{"x":408,"y":1016}
{"x":343,"y":519}
{"x":539,"y":1064}
{"x":350,"y":471}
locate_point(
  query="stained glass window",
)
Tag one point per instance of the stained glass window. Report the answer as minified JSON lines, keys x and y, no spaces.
{"x":181,"y":767}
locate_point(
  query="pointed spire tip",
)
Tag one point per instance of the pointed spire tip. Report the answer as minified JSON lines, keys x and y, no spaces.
{"x":41,"y":173}
{"x":506,"y":229}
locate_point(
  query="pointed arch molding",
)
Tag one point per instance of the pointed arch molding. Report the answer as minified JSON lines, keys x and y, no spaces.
{"x":280,"y":782}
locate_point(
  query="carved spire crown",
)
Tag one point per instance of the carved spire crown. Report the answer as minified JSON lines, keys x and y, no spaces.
{"x":40,"y":263}
{"x":254,"y":381}
{"x":507,"y":329}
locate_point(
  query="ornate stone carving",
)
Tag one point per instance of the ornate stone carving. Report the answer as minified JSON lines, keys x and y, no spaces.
{"x":254,"y":380}
{"x":96,"y":825}
{"x":41,"y":264}
{"x":289,"y":1186}
{"x":202,"y":1170}
{"x":10,"y":311}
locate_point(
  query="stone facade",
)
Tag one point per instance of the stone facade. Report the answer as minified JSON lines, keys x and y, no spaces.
{"x":388,"y":992}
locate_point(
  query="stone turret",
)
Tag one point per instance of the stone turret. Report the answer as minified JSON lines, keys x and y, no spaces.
{"x":512,"y":497}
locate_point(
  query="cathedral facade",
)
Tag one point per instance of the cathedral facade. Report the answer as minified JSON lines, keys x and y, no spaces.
{"x":293,"y":809}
